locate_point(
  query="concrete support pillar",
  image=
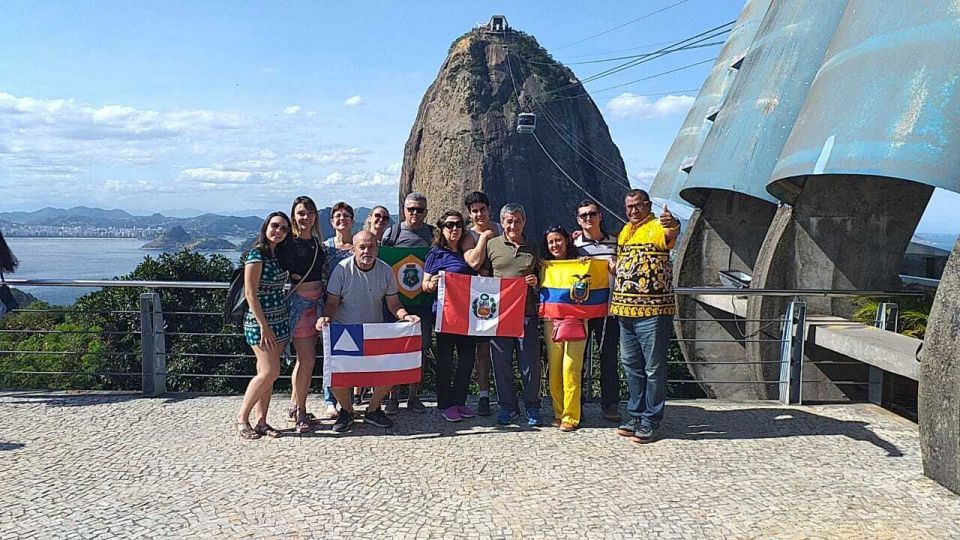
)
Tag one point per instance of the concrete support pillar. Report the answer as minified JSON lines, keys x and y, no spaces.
{"x":842,"y":232}
{"x":939,"y":396}
{"x":725,"y":234}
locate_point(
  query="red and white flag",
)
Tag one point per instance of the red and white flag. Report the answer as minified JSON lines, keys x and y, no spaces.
{"x":374,"y":354}
{"x":480,"y":306}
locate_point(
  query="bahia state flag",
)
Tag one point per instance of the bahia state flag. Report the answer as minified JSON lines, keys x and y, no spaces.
{"x":373,"y":354}
{"x":570,"y":288}
{"x":407,"y":264}
{"x":480,"y":306}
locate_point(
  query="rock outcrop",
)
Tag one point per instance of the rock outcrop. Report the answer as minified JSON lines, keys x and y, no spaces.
{"x":465,"y":135}
{"x":176,"y":238}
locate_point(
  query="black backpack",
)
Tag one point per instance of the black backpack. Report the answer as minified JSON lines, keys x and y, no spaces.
{"x":9,"y":303}
{"x":235,"y":306}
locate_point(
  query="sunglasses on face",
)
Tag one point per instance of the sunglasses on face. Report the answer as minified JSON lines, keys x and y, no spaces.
{"x":380,"y":216}
{"x":279,"y":227}
{"x":452,"y":225}
{"x":637,"y":206}
{"x":588,"y":215}
{"x":416,"y":210}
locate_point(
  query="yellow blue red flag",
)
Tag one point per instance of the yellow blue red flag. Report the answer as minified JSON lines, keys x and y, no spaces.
{"x":570,"y":288}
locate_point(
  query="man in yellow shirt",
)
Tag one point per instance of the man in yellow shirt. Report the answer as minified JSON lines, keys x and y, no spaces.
{"x":644,"y":303}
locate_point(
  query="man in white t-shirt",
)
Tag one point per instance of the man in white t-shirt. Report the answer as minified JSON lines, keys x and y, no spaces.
{"x":356,"y":292}
{"x":593,"y":241}
{"x":478,"y":208}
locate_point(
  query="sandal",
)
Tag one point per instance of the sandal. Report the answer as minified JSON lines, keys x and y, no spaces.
{"x":246,"y":432}
{"x":303,"y":422}
{"x":267,"y":430}
{"x":311,"y":418}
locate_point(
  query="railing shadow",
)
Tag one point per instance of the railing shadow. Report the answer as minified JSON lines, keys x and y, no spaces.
{"x":689,"y":422}
{"x":53,"y":398}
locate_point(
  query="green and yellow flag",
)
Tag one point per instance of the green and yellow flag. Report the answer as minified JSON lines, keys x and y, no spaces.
{"x":407,"y":264}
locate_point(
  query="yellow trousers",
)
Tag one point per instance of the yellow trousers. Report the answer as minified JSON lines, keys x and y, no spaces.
{"x":565,"y":365}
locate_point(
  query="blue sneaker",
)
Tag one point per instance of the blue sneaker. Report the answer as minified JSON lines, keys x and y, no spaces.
{"x":533,"y":417}
{"x":505,"y":417}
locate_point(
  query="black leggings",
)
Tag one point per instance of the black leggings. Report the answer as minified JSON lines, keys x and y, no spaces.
{"x":454,"y":383}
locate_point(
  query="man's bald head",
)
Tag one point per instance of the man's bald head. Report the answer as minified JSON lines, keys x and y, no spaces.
{"x":363,"y":235}
{"x":365,"y":249}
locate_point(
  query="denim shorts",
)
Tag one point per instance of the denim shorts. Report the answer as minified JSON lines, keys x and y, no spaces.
{"x":305,"y":307}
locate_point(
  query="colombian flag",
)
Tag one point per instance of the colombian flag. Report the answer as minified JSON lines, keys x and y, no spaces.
{"x":570,"y":288}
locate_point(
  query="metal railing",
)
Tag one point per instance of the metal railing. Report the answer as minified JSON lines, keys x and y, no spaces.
{"x":154,"y":354}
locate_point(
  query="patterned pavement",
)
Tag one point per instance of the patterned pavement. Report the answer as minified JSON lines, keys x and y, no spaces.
{"x":121,"y":466}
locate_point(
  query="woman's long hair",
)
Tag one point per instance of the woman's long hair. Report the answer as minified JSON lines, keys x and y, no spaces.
{"x":8,"y":261}
{"x":312,"y":206}
{"x":440,"y":240}
{"x":262,"y":243}
{"x":368,"y":223}
{"x":570,"y":252}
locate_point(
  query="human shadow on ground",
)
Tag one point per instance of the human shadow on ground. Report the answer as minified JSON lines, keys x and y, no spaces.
{"x":690,"y":422}
{"x":682,"y":422}
{"x":10,"y":446}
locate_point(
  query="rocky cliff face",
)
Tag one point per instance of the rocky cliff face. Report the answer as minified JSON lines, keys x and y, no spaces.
{"x":465,"y":135}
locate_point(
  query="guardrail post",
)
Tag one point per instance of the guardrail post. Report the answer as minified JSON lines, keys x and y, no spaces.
{"x":152,"y":346}
{"x":888,"y":314}
{"x":791,"y":353}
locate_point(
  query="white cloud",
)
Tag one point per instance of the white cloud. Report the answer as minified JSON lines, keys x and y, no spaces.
{"x":353,"y":101}
{"x":332,"y":157}
{"x":220,"y":176}
{"x":360,"y":179}
{"x":66,"y":119}
{"x":642,"y":177}
{"x":636,"y":107}
{"x":291,"y":110}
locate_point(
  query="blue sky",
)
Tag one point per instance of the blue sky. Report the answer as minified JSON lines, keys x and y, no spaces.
{"x":228,"y":106}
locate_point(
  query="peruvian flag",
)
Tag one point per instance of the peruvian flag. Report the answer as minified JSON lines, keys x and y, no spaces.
{"x":375,"y":354}
{"x":480,"y":306}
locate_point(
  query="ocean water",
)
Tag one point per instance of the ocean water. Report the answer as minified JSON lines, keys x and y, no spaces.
{"x":78,"y":258}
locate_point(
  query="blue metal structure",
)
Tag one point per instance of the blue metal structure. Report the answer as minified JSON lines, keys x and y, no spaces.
{"x":886,"y":101}
{"x":742,"y":148}
{"x":684,"y":150}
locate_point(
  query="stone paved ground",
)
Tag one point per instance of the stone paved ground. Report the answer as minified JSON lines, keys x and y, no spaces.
{"x":121,"y":466}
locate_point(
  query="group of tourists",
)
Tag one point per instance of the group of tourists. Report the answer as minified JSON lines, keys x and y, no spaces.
{"x":342,"y":280}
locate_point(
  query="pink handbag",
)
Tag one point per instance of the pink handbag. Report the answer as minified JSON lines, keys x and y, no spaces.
{"x":569,"y":329}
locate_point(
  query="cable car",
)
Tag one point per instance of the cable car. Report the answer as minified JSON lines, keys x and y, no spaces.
{"x":526,"y":122}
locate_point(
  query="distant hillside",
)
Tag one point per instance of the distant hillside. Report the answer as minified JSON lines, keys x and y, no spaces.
{"x":85,"y":221}
{"x":82,"y":221}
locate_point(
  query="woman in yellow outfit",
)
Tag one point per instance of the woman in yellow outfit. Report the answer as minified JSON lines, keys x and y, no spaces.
{"x":565,"y":358}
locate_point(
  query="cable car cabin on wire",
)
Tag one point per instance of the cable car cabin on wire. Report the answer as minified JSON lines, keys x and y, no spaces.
{"x":526,"y":122}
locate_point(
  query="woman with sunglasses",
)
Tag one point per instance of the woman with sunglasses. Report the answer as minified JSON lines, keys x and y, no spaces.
{"x":337,"y":248}
{"x":377,"y":222}
{"x":303,"y":256}
{"x":266,"y":324}
{"x":565,"y":358}
{"x":453,"y":382}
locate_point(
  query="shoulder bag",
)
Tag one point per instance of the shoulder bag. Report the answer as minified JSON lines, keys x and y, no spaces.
{"x":568,"y":329}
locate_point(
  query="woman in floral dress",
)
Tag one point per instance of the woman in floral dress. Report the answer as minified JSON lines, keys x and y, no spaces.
{"x":266,"y":324}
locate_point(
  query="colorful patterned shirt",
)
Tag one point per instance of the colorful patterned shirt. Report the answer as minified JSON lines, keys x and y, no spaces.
{"x":644,"y":283}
